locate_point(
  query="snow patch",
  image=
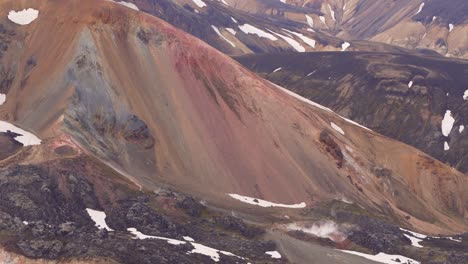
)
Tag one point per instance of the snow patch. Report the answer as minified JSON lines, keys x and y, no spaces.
{"x":2,"y":98}
{"x":447,"y":123}
{"x":414,"y":241}
{"x":234,"y":20}
{"x":249,"y":29}
{"x":127,"y":4}
{"x":322,"y":18}
{"x":189,"y":239}
{"x":99,"y":218}
{"x":345,"y":45}
{"x":274,"y":254}
{"x":465,"y":95}
{"x":139,"y":235}
{"x":446,"y":146}
{"x":223,"y":37}
{"x":263,"y":203}
{"x":23,"y":17}
{"x":337,"y":128}
{"x":451,"y":26}
{"x":305,"y":39}
{"x":231,"y":30}
{"x":410,"y":84}
{"x":384,"y":258}
{"x":420,"y":8}
{"x":293,"y":43}
{"x":199,"y":3}
{"x":25,"y":138}
{"x":198,"y":248}
{"x":277,"y":70}
{"x":461,"y":128}
{"x":309,"y":20}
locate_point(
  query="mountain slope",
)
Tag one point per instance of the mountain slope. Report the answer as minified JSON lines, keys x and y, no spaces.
{"x":401,"y":96}
{"x":152,"y":108}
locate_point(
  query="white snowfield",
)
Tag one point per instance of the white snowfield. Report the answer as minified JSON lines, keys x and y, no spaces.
{"x":99,"y":218}
{"x":127,"y":4}
{"x":263,"y":203}
{"x":337,"y":128}
{"x":447,"y":123}
{"x":23,"y":17}
{"x":461,"y":128}
{"x":213,"y":253}
{"x":451,"y":26}
{"x":465,"y":95}
{"x":2,"y":98}
{"x":223,"y":37}
{"x":25,"y":138}
{"x":199,"y":3}
{"x":249,"y":29}
{"x":384,"y":258}
{"x":274,"y":254}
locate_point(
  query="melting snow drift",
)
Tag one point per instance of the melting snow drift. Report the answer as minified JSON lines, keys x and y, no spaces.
{"x":264,"y":203}
{"x":2,"y":98}
{"x":25,"y":138}
{"x":23,"y":17}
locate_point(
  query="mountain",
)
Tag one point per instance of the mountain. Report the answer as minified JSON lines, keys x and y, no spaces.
{"x":143,"y":144}
{"x":236,"y":32}
{"x":405,"y":97}
{"x":436,"y":25}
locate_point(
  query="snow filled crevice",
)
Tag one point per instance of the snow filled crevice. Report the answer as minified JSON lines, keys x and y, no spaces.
{"x":264,"y":203}
{"x":199,"y":3}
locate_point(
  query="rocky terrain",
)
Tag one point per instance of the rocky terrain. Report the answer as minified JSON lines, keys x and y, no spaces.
{"x":126,"y":140}
{"x":405,"y":97}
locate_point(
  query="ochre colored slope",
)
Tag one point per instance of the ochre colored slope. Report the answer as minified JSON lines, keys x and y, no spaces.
{"x":164,"y":108}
